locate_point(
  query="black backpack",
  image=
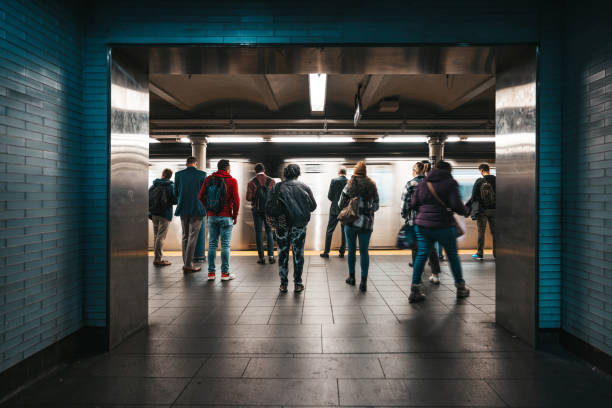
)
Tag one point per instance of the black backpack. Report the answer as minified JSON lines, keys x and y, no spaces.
{"x":158,"y":199}
{"x":261,"y":196}
{"x":215,"y":194}
{"x":487,"y":194}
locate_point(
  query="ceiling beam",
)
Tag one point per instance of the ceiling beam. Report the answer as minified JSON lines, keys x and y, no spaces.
{"x":469,"y":95}
{"x":265,"y":90}
{"x":168,"y":97}
{"x":369,"y":90}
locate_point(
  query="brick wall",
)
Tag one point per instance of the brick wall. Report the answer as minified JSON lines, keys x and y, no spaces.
{"x":40,"y":179}
{"x":587,"y":175}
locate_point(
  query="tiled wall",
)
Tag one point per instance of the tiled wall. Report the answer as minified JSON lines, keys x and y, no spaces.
{"x":40,"y":177}
{"x":587,"y":176}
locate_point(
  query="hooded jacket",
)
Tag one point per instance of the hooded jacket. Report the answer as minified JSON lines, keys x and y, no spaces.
{"x":298,"y":201}
{"x":169,"y":185}
{"x":232,"y":200}
{"x":430,"y":213}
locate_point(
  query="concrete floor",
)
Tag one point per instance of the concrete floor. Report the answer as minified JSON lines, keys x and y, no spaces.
{"x":243,"y":343}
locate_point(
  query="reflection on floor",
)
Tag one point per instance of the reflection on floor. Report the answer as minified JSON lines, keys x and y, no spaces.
{"x":244,"y":343}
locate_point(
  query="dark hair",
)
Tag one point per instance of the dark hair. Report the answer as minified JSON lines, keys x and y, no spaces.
{"x":420,"y":166}
{"x":426,"y":165}
{"x":342,"y":170}
{"x":167,"y":173}
{"x":259,"y":168}
{"x":191,"y":160}
{"x":442,"y":165}
{"x":223,"y":164}
{"x":484,"y":167}
{"x":292,"y":171}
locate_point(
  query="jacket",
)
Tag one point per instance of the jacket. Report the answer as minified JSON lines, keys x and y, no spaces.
{"x":476,"y":191}
{"x":187,"y":184}
{"x":298,"y":201}
{"x":364,"y":188}
{"x":262,"y":178}
{"x":408,"y":214}
{"x":169,"y":185}
{"x":232,"y":200}
{"x":430,"y":213}
{"x":335,"y":189}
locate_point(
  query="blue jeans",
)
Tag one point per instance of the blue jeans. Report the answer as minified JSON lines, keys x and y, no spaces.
{"x":219,"y":226}
{"x":258,"y":220}
{"x":447,"y":237}
{"x":352,"y":234}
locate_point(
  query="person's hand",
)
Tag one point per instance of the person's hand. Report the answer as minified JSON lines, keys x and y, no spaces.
{"x":235,"y":221}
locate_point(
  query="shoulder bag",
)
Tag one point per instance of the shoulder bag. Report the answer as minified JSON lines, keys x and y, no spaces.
{"x":432,"y":190}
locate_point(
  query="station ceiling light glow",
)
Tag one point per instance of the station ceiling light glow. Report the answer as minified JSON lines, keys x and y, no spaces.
{"x":185,"y":139}
{"x":246,"y":139}
{"x":318,"y":87}
{"x":480,"y":139}
{"x":312,"y":139}
{"x":403,"y":139}
{"x":151,"y":140}
{"x":453,"y":139}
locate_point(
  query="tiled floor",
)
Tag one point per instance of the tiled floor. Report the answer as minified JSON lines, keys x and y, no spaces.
{"x":244,"y":343}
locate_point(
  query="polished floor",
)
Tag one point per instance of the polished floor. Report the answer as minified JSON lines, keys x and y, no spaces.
{"x":243,"y":343}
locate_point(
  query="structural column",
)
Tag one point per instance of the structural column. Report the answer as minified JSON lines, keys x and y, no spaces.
{"x":198,"y":150}
{"x":436,"y":148}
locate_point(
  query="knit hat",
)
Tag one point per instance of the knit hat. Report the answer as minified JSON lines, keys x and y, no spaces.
{"x":360,"y":168}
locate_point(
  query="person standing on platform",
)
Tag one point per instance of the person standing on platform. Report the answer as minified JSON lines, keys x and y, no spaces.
{"x":219,"y":195}
{"x":335,"y":189}
{"x":483,"y":193}
{"x":187,"y":186}
{"x":257,"y":193}
{"x":161,"y":200}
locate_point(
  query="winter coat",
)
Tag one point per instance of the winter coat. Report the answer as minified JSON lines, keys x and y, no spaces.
{"x":335,"y":189}
{"x":364,"y":188}
{"x":262,"y":179}
{"x":187,"y":185}
{"x":232,"y":200}
{"x":169,"y":185}
{"x":408,"y":214}
{"x":430,"y":213}
{"x":297,"y":200}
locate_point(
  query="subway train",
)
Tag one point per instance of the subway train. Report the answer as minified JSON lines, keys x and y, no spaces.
{"x":389,"y":174}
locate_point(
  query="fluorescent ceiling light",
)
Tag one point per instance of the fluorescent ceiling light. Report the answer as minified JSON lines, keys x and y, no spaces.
{"x":318,"y":87}
{"x":245,"y":139}
{"x":311,"y":139}
{"x":151,"y":140}
{"x":403,"y":139}
{"x":185,"y":140}
{"x":453,"y":139}
{"x":480,"y":139}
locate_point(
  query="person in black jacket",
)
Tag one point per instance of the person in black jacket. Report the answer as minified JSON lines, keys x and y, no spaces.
{"x":483,"y":194}
{"x":335,"y":189}
{"x":298,"y":202}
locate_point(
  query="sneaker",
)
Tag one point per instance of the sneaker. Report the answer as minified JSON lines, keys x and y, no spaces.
{"x":416,"y":294}
{"x":462,"y":291}
{"x":298,"y":287}
{"x":434,"y":279}
{"x":227,"y":276}
{"x":271,"y":260}
{"x":341,"y":255}
{"x":261,"y":261}
{"x":476,"y":256}
{"x":211,"y":276}
{"x":324,"y":255}
{"x":283,"y":287}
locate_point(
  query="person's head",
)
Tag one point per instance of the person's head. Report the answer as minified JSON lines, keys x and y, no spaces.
{"x":259,"y":168}
{"x":360,"y":169}
{"x":292,"y":171}
{"x":192,"y":161}
{"x":418,"y":169}
{"x":166,"y":174}
{"x":223,"y":164}
{"x":426,"y":166}
{"x":484,"y":169}
{"x":442,"y":165}
{"x":342,"y":171}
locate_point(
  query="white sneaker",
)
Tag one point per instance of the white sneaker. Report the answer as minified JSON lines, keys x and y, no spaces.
{"x":434,"y":279}
{"x":227,"y":276}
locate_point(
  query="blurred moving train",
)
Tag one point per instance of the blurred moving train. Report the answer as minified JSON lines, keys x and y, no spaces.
{"x":390,"y":175}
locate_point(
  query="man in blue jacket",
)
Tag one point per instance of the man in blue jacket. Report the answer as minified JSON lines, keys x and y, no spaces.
{"x":188,"y":183}
{"x":160,"y":212}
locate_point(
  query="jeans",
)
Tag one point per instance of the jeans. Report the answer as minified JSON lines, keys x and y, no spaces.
{"x":434,"y":259}
{"x":191,"y":229}
{"x":286,"y":238}
{"x":219,"y":226}
{"x":331,"y":226}
{"x":483,"y":217}
{"x":160,"y":229}
{"x":257,"y":221}
{"x":352,"y":234}
{"x":426,"y":237}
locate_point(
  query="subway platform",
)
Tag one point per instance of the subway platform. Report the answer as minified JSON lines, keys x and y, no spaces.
{"x":243,"y":343}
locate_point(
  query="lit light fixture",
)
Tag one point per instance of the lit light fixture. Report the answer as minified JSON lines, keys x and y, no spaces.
{"x":318,"y":88}
{"x":453,"y":139}
{"x":152,"y":140}
{"x":246,"y":139}
{"x":185,"y":139}
{"x":403,"y":139}
{"x":311,"y":139}
{"x":480,"y":139}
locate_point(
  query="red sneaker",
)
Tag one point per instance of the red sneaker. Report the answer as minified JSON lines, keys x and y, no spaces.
{"x":211,"y":276}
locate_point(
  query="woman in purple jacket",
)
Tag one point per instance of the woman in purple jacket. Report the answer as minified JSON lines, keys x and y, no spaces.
{"x":435,"y":222}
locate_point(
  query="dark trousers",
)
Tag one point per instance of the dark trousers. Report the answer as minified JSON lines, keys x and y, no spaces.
{"x":434,"y":259}
{"x":258,"y":220}
{"x":292,"y":237}
{"x":331,"y":226}
{"x":483,"y":217}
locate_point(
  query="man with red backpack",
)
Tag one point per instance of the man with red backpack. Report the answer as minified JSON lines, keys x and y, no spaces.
{"x":257,"y":194}
{"x":219,"y":195}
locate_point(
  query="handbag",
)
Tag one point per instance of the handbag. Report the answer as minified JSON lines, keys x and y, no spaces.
{"x":406,"y":237}
{"x":432,"y":190}
{"x":350,"y":213}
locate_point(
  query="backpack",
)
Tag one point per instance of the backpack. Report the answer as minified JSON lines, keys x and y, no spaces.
{"x":350,"y":213}
{"x":487,"y":194}
{"x":158,"y":200}
{"x":274,"y":207}
{"x":261,"y":196}
{"x":215,"y":194}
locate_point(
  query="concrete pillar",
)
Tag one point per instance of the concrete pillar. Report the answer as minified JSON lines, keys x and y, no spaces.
{"x":436,"y":148}
{"x":198,"y":150}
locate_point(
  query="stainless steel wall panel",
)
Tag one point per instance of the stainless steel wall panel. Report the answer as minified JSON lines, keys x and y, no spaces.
{"x":517,"y":210}
{"x":127,"y":301}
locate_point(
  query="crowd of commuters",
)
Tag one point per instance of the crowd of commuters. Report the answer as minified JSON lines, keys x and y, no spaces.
{"x":429,"y":201}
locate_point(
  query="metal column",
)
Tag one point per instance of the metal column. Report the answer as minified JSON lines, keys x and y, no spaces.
{"x":198,"y":150}
{"x":436,"y":148}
